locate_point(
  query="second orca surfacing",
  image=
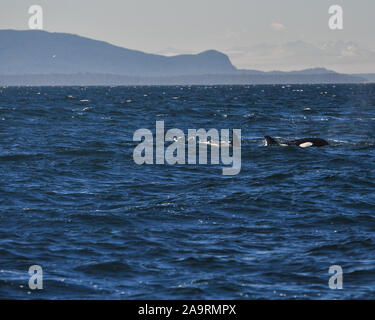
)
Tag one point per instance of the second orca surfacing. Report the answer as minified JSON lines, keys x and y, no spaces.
{"x":303,"y":143}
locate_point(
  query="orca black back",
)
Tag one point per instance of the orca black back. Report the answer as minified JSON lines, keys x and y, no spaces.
{"x":305,"y":142}
{"x":271,"y":141}
{"x":315,"y":142}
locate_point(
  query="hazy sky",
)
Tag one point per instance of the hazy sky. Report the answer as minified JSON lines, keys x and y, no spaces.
{"x":236,"y":27}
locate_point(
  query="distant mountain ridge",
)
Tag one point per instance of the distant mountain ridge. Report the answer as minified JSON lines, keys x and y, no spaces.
{"x":336,"y":54}
{"x":311,"y":71}
{"x":41,"y":52}
{"x":35,"y":57}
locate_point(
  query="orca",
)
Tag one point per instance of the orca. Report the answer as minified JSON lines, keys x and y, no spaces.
{"x":210,"y":143}
{"x":303,"y":143}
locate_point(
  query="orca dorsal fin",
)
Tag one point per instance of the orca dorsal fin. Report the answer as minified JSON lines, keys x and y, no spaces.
{"x":271,"y":141}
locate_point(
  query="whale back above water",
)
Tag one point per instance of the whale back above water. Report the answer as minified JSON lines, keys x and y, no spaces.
{"x":305,"y":142}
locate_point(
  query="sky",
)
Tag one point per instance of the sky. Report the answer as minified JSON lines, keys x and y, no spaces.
{"x":262,"y":34}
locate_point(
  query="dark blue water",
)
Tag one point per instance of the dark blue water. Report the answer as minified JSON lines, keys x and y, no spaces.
{"x":73,"y":201}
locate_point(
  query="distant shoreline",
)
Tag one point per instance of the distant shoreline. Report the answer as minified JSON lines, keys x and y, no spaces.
{"x":35,"y":57}
{"x":223,"y":79}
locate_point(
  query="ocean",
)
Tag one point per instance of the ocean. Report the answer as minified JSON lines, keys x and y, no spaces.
{"x":73,"y":201}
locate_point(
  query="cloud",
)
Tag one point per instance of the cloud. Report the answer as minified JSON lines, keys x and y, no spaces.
{"x":275,"y":26}
{"x":171,"y":51}
{"x":230,"y":34}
